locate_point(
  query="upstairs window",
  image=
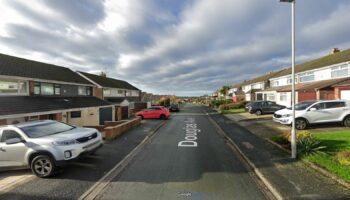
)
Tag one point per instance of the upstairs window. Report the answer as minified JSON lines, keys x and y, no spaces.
{"x":289,"y":80}
{"x":340,"y":71}
{"x":274,"y":83}
{"x":305,"y":77}
{"x":135,"y":93}
{"x":57,"y":89}
{"x":13,"y":87}
{"x":47,"y":89}
{"x":85,"y":91}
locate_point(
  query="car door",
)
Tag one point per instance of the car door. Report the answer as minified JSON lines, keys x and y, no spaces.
{"x":272,"y":107}
{"x":335,"y":111}
{"x":157,"y":112}
{"x":148,"y":113}
{"x":11,"y":155}
{"x":317,"y":113}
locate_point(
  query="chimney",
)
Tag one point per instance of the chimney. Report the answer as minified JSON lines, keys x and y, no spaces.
{"x":334,"y":50}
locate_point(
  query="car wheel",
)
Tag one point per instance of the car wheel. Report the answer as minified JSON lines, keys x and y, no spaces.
{"x":258,"y":112}
{"x":162,"y":117}
{"x":43,"y":166}
{"x":346,"y":121}
{"x":300,"y":124}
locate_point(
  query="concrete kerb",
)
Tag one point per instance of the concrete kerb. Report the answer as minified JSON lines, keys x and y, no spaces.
{"x":257,"y":172}
{"x":312,"y":165}
{"x":99,"y":187}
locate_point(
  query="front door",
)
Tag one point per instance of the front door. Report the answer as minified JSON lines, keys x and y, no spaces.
{"x":11,"y":155}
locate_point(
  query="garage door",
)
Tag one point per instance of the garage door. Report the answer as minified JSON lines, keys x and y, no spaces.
{"x":105,"y":115}
{"x":345,"y":94}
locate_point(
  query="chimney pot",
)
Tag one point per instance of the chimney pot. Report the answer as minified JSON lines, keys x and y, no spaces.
{"x":334,"y":50}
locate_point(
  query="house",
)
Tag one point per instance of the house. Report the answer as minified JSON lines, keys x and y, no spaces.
{"x":315,"y":80}
{"x":124,"y":96}
{"x":31,"y":90}
{"x":236,"y":93}
{"x":342,"y":90}
{"x":251,"y":88}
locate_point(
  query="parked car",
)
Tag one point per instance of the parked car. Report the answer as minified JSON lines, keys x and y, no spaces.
{"x":158,"y":112}
{"x":174,"y":108}
{"x":263,"y":107}
{"x":315,"y":112}
{"x":45,"y":145}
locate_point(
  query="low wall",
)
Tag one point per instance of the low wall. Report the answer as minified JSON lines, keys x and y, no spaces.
{"x":99,"y":128}
{"x":117,"y":129}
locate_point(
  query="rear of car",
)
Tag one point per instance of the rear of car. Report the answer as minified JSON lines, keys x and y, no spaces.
{"x":45,"y":145}
{"x":174,"y":108}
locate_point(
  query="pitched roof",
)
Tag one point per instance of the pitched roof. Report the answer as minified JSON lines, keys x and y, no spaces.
{"x":264,"y":77}
{"x":328,"y":60}
{"x":343,"y":83}
{"x":10,"y":105}
{"x":14,"y":66}
{"x":312,"y":85}
{"x":109,"y":82}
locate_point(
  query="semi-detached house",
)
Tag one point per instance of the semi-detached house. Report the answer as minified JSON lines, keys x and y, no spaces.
{"x":31,"y":90}
{"x":121,"y":94}
{"x":324,"y":78}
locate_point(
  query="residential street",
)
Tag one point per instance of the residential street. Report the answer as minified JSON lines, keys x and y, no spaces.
{"x":163,"y":170}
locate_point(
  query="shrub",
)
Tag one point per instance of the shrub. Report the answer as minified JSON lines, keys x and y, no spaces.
{"x":343,"y":158}
{"x":232,"y":106}
{"x":307,"y":146}
{"x":302,"y":135}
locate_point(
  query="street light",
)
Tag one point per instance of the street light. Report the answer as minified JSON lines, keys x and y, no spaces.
{"x":293,"y":142}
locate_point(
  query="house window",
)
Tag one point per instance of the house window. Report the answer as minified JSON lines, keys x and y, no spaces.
{"x":275,"y":83}
{"x":340,"y":71}
{"x":135,"y":93}
{"x":84,"y":91}
{"x":37,"y":88}
{"x":46,"y":89}
{"x":13,"y":87}
{"x":75,"y":114}
{"x":57,"y":89}
{"x":107,"y":92}
{"x":305,"y":77}
{"x":283,"y":96}
{"x":128,"y":93}
{"x":271,"y":97}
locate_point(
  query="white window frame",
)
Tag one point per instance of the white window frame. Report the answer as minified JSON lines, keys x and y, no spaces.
{"x":18,"y":93}
{"x":307,"y":74}
{"x":283,"y":96}
{"x":335,"y":70}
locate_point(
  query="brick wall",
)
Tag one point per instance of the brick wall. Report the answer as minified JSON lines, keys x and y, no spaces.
{"x":307,"y":95}
{"x":338,"y":89}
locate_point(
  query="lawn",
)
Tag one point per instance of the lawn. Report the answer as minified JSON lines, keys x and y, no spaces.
{"x":232,"y":111}
{"x":335,"y":142}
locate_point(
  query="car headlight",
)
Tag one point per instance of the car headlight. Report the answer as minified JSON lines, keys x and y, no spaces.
{"x":64,"y":142}
{"x":287,"y":115}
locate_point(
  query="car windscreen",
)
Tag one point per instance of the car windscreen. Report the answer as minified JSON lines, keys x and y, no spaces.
{"x":302,"y":105}
{"x":42,"y":130}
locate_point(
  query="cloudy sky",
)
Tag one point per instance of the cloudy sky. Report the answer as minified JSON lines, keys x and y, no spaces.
{"x":183,"y":47}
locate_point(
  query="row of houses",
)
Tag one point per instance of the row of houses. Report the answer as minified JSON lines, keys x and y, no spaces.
{"x":31,"y":90}
{"x":325,"y":78}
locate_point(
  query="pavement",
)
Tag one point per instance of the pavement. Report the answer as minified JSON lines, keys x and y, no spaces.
{"x":78,"y":176}
{"x":164,"y":170}
{"x":290,"y":178}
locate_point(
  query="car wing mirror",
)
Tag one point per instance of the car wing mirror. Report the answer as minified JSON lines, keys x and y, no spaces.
{"x":312,"y":109}
{"x":14,"y":141}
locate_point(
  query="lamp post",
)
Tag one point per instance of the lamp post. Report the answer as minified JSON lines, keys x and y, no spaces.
{"x":293,"y":141}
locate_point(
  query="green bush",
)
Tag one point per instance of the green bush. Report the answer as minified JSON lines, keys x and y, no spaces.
{"x":217,"y":103}
{"x":301,"y":135}
{"x":308,"y":146}
{"x":232,"y":106}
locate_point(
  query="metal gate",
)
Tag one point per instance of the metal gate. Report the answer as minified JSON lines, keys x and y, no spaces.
{"x":106,"y":114}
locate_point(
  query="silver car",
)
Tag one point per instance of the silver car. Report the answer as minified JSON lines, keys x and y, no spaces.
{"x":44,"y":145}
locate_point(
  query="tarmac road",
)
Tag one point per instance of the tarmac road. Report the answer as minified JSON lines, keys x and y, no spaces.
{"x":165,"y":170}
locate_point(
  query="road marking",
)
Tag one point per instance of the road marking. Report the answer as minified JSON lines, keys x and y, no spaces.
{"x":191,"y":131}
{"x":97,"y":189}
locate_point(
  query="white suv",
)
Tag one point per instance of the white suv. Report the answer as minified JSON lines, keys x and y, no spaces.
{"x":313,"y":112}
{"x":44,"y":145}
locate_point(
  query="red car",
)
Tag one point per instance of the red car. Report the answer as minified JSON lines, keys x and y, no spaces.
{"x":158,"y":112}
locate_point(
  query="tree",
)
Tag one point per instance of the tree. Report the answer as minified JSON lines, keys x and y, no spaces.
{"x":224,"y":90}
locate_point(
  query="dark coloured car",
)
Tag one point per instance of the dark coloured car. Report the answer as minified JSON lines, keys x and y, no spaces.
{"x":263,"y":107}
{"x":174,"y":108}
